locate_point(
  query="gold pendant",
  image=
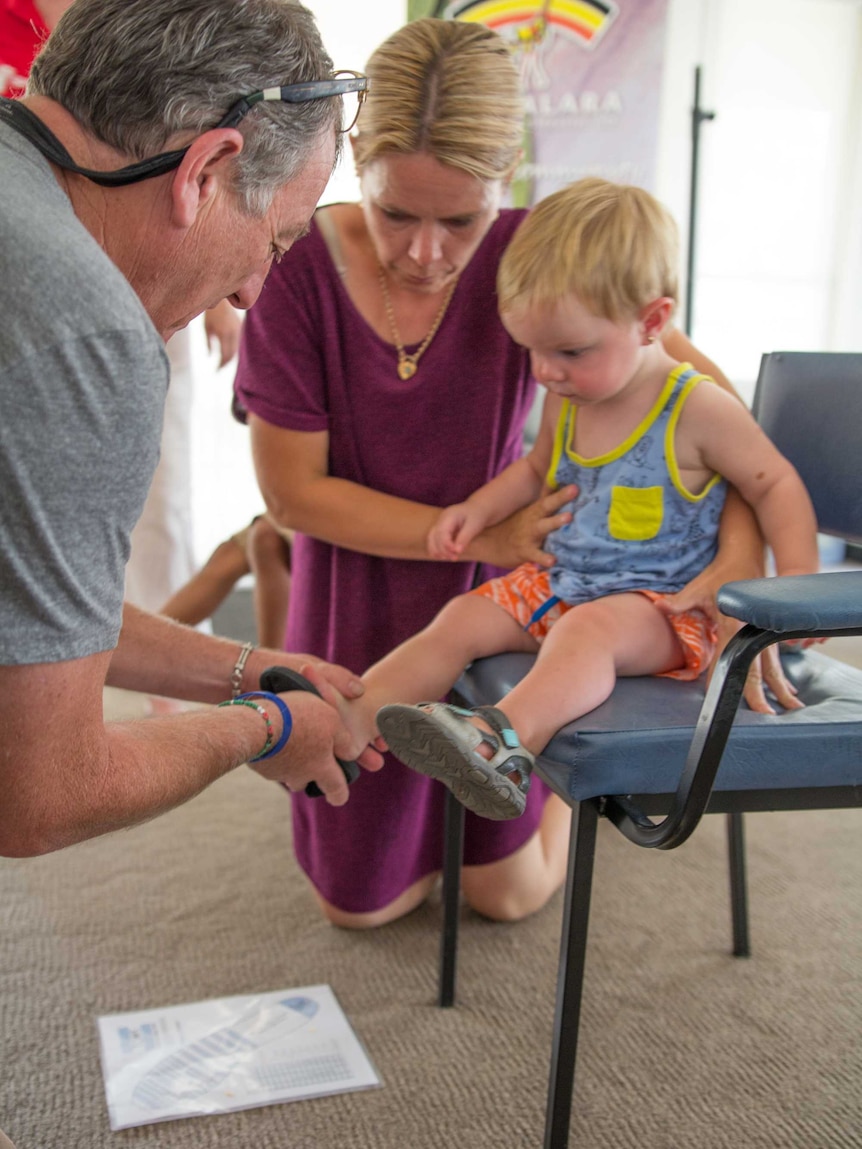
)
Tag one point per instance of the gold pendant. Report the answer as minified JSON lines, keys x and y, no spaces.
{"x":406,"y":369}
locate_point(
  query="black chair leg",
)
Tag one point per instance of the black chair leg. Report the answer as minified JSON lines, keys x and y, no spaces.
{"x":453,"y":851}
{"x":738,"y":885}
{"x":570,"y":977}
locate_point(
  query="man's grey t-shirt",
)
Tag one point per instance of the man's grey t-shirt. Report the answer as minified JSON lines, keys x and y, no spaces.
{"x":83,"y":379}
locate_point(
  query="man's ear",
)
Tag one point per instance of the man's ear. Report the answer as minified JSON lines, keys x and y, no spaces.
{"x":204,"y":167}
{"x":654,"y":317}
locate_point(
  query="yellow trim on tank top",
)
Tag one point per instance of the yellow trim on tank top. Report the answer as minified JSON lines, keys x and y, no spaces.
{"x":560,"y":434}
{"x":670,"y":445}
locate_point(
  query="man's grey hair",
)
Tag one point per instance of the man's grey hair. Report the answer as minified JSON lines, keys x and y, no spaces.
{"x":135,"y":73}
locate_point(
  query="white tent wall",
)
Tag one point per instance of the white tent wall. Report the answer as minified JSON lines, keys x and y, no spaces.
{"x":778,"y":260}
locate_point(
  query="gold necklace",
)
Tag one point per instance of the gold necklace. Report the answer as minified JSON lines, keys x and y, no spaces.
{"x":407,"y":364}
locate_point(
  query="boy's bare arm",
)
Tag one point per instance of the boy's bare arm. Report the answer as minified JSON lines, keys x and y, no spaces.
{"x":519,"y":485}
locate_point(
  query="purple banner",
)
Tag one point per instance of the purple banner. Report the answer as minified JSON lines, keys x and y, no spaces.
{"x":592,"y":72}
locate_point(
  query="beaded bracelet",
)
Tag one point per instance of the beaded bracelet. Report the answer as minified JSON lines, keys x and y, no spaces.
{"x":287,"y":722}
{"x":239,"y":667}
{"x":270,"y":732}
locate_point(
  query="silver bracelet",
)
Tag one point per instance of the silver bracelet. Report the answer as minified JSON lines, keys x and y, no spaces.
{"x":239,"y":667}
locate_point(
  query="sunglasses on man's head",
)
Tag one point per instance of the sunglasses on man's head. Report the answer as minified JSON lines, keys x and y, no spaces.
{"x":343,"y":83}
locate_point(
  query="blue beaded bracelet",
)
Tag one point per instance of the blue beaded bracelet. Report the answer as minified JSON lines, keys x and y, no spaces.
{"x":287,"y":722}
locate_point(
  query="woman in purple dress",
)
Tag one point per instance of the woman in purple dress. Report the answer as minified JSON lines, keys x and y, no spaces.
{"x":380,"y":385}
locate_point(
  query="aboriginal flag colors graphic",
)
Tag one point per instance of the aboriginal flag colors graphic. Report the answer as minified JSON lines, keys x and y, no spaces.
{"x":584,"y":21}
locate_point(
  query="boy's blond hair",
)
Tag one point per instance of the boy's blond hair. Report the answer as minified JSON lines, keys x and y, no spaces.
{"x":613,"y":245}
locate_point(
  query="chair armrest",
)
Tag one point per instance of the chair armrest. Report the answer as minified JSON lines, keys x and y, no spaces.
{"x":815,"y":606}
{"x":819,"y":605}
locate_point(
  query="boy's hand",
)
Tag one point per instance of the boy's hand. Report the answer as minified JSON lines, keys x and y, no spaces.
{"x":319,"y":737}
{"x":765,"y":670}
{"x":455,"y":528}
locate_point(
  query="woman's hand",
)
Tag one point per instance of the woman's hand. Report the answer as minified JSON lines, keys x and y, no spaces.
{"x":700,"y":594}
{"x":222,"y":326}
{"x":520,"y":538}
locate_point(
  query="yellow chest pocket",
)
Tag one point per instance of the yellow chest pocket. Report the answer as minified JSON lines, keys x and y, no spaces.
{"x":636,"y":512}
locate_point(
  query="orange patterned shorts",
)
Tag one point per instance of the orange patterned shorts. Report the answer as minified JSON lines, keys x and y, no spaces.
{"x":525,"y":590}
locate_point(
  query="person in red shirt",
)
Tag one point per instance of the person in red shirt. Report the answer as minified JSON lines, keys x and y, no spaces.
{"x":24,"y":26}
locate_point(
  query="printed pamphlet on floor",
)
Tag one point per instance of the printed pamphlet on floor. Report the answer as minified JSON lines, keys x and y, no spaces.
{"x":229,"y":1053}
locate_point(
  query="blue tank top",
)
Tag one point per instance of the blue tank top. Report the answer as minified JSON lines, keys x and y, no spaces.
{"x":635,"y":525}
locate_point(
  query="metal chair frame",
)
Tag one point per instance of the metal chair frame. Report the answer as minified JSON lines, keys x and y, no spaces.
{"x":811,"y":609}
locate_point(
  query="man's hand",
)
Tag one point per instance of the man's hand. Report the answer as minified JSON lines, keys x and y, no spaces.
{"x":318,"y":737}
{"x":343,"y":680}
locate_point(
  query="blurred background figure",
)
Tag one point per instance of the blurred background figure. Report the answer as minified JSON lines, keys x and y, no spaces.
{"x":162,"y":557}
{"x":260,"y":549}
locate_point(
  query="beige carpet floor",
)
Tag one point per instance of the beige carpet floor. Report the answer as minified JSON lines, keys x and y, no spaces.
{"x":681,"y":1045}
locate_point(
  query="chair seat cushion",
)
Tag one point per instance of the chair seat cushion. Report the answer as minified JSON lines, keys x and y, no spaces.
{"x":637,"y":741}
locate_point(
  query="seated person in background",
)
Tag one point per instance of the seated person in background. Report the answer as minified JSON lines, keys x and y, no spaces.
{"x":587,"y":285}
{"x":260,"y":549}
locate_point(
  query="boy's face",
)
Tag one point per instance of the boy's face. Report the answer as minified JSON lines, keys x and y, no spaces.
{"x":575,"y":353}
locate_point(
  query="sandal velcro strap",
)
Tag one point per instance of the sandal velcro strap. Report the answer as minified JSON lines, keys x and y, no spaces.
{"x":520,"y":764}
{"x":500,"y":724}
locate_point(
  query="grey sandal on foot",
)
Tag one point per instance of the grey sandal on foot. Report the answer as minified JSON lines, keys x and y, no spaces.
{"x":439,"y":740}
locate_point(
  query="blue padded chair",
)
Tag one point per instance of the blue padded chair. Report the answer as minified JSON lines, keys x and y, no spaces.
{"x":658,"y":748}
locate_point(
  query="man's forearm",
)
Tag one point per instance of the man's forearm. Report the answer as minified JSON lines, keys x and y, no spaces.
{"x":156,"y":655}
{"x":66,"y":776}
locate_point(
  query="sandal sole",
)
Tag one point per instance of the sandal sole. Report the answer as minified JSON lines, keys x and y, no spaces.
{"x":418,"y":741}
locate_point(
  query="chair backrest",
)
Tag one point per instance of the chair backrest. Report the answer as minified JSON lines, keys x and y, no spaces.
{"x":810,"y":404}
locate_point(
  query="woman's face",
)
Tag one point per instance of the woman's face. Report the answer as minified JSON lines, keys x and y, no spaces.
{"x":426,"y":219}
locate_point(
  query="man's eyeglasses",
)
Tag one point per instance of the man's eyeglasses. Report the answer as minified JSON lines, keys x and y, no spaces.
{"x":343,"y":83}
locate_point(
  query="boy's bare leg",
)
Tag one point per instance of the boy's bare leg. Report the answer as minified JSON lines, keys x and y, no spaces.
{"x":426,"y":666}
{"x":580,"y":660}
{"x":269,"y":558}
{"x":621,"y":635}
{"x":577,"y":668}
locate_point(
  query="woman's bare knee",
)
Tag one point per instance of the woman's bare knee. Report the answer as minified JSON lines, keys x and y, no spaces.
{"x":520,"y":885}
{"x":506,"y":897}
{"x":405,"y":903}
{"x":505,"y":904}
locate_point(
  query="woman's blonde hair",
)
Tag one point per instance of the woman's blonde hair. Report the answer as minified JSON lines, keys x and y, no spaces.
{"x":446,"y":88}
{"x":614,"y":246}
